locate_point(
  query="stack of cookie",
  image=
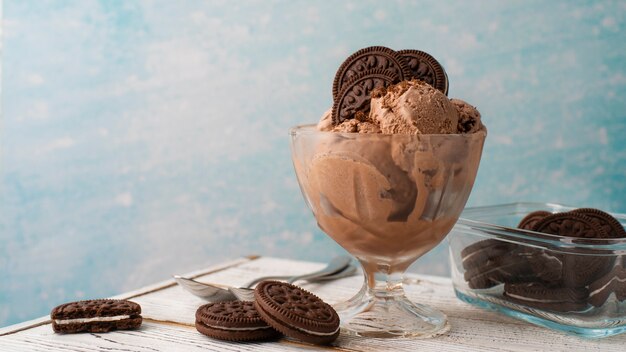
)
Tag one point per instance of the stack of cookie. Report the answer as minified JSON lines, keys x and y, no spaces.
{"x":278,"y":309}
{"x":551,"y":279}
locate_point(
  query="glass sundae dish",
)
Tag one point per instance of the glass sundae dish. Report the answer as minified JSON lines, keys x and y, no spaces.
{"x":388,"y":184}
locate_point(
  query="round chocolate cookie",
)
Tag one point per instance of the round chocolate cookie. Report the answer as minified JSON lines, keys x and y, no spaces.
{"x":477,"y":253}
{"x":492,"y":262}
{"x":570,"y":225}
{"x":425,"y":68}
{"x":530,"y":220}
{"x":233,"y":321}
{"x":296,"y":312}
{"x":367,"y":59}
{"x":608,"y":223}
{"x":541,"y":296}
{"x":356,"y":95}
{"x":499,"y":270}
{"x":569,"y":269}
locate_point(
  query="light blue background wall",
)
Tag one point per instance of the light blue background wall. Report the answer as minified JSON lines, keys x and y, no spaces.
{"x":145,"y":138}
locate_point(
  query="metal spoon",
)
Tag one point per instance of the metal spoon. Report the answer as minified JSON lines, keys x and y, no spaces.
{"x":347,"y":272}
{"x":247,"y":294}
{"x":215,"y":294}
{"x":335,"y":265}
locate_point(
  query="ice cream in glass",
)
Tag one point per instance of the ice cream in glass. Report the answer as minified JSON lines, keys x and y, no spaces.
{"x":387,"y":171}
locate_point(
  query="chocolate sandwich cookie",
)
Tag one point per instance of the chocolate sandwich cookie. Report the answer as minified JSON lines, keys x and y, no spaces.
{"x":478,"y":253}
{"x":569,"y":269}
{"x":233,"y":321}
{"x":368,"y":59}
{"x":613,"y":282}
{"x":355,"y":98}
{"x":608,"y":223}
{"x":499,"y":270}
{"x":491,"y":262}
{"x":541,"y":296}
{"x":296,"y":312}
{"x":98,"y":315}
{"x":425,"y":68}
{"x":530,"y":220}
{"x":546,"y":265}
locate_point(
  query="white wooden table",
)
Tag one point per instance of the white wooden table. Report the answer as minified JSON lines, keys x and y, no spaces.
{"x":168,"y":324}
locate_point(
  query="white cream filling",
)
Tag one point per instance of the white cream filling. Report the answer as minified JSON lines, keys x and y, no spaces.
{"x":522,"y":298}
{"x":89,"y":320}
{"x":268,"y":327}
{"x":552,"y":258}
{"x":595,"y":292}
{"x":317,"y":333}
{"x":236,"y":329}
{"x":469,"y":257}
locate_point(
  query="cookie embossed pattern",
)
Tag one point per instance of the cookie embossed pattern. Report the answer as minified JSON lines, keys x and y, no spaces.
{"x":551,"y":265}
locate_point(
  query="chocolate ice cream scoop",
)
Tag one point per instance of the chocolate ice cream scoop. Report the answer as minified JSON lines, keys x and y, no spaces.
{"x":469,"y":117}
{"x":413,"y":107}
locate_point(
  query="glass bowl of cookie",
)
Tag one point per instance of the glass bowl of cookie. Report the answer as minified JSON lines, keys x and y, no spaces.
{"x":552,"y":265}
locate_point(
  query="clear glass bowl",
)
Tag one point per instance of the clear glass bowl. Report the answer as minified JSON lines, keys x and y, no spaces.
{"x":496,"y":226}
{"x":386,"y":199}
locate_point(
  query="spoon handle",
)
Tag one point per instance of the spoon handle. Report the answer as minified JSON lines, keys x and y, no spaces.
{"x":335,"y":265}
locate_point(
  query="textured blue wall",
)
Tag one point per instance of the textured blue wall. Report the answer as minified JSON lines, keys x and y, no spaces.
{"x":141,"y":139}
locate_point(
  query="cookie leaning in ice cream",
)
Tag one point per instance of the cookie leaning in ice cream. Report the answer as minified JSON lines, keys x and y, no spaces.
{"x":378,"y":90}
{"x":426,"y":68}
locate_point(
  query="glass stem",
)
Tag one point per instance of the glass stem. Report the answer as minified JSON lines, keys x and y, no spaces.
{"x":381,"y":283}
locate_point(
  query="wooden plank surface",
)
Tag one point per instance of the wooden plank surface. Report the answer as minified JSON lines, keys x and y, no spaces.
{"x":139,"y":292}
{"x":169,"y":317}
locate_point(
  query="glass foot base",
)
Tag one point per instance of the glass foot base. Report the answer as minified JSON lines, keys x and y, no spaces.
{"x":382,"y":316}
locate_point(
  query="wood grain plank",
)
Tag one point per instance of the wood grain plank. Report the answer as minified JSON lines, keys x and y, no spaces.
{"x":472,"y":328}
{"x":151,"y":337}
{"x":136,"y":293}
{"x":169,"y":313}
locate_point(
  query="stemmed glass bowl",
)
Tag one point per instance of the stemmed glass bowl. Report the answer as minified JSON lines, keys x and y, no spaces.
{"x":388,"y":200}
